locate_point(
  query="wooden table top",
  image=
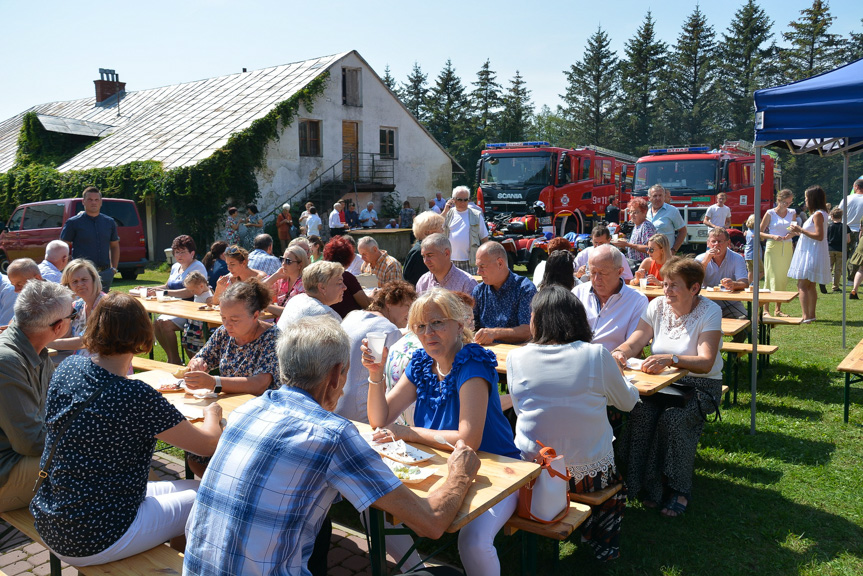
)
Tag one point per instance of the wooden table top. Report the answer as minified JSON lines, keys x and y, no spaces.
{"x":735,"y":296}
{"x":647,"y":384}
{"x":182,"y":309}
{"x":498,"y":477}
{"x":191,"y":407}
{"x":853,"y":362}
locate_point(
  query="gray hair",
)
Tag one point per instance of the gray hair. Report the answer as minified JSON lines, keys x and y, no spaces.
{"x":657,"y":187}
{"x":439,"y":241}
{"x":40,"y":304}
{"x":367,"y":242}
{"x":458,"y":189}
{"x":309,"y":348}
{"x":494,"y":249}
{"x":426,"y":223}
{"x":24,"y":266}
{"x":286,"y":206}
{"x":607,"y":251}
{"x":319,"y":273}
{"x":56,"y":249}
{"x":337,"y":205}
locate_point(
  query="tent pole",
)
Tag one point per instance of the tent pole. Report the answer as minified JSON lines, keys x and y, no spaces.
{"x":756,"y":275}
{"x":844,"y":242}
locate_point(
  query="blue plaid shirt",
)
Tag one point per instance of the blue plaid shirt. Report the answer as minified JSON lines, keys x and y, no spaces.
{"x":505,"y":308}
{"x":280,"y":465}
{"x":266,"y":263}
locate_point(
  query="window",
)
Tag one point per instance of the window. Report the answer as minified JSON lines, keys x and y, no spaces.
{"x":606,"y":171}
{"x":585,"y":169}
{"x":310,"y":137}
{"x":43,"y":216}
{"x":15,"y":220}
{"x":388,"y":142}
{"x":351,"y":87}
{"x":123,"y":213}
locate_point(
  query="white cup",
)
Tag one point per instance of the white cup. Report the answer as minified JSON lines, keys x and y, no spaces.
{"x":615,"y":237}
{"x":160,"y":295}
{"x":642,"y":283}
{"x":376,"y":345}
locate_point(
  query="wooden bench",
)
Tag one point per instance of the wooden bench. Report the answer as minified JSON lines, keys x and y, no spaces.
{"x":734,"y":351}
{"x":734,"y":326}
{"x":852,"y":365}
{"x":142,"y":364}
{"x":558,"y":531}
{"x":768,"y":322}
{"x":595,"y":498}
{"x":157,"y":561}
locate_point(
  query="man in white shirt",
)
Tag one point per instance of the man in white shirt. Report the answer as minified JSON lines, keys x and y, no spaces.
{"x":337,"y":227}
{"x":465,"y":227}
{"x":56,"y":258}
{"x":718,"y":215}
{"x":613,"y":308}
{"x":313,"y":223}
{"x":369,"y":216}
{"x":666,"y":218}
{"x":599,"y":236}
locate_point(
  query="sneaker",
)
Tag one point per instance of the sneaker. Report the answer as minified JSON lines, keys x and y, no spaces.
{"x":853,"y":296}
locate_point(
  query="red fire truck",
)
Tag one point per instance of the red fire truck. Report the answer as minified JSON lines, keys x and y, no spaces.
{"x":694,"y":175}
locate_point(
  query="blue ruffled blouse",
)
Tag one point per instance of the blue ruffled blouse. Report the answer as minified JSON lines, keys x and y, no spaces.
{"x":437,"y":405}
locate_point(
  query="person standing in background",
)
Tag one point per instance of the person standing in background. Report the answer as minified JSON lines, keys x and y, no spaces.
{"x":93,"y":236}
{"x":834,"y":245}
{"x":612,"y":211}
{"x":284,"y":221}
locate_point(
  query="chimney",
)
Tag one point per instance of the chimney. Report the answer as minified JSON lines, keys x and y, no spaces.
{"x":108,"y":84}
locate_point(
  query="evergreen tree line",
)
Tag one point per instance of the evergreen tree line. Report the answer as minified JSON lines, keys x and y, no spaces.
{"x":698,"y":90}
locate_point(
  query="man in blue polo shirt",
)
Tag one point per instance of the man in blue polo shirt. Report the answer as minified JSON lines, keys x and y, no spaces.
{"x":501,"y":310}
{"x":94,"y":236}
{"x":666,"y":218}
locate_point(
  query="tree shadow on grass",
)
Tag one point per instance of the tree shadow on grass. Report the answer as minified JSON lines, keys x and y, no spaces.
{"x":806,"y":383}
{"x":791,"y":449}
{"x":751,"y":474}
{"x":729,"y":529}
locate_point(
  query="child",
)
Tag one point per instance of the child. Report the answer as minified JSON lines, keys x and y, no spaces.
{"x":749,"y":248}
{"x":834,"y":244}
{"x":193,"y":331}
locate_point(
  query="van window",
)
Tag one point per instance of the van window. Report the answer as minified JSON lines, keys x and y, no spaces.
{"x":123,"y":213}
{"x":43,"y":216}
{"x":15,"y":220}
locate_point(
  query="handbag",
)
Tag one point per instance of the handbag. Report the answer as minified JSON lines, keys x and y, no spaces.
{"x":545,"y":499}
{"x":679,"y":395}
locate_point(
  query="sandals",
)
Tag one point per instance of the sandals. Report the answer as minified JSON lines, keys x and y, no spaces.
{"x":673,"y":507}
{"x":781,"y":314}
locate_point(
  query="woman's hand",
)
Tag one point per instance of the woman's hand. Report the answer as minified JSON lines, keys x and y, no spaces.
{"x":376,"y":369}
{"x":197,"y":364}
{"x":651,"y":279}
{"x":391,"y":433}
{"x":656,"y":363}
{"x":214,"y":411}
{"x":223,"y":281}
{"x":620,"y":358}
{"x":196,"y":380}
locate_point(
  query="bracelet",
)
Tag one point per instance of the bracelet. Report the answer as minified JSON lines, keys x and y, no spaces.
{"x":376,"y":383}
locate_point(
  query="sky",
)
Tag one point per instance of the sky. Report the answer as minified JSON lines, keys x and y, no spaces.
{"x":53,"y":50}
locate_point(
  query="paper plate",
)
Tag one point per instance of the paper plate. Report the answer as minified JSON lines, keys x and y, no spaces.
{"x":398,"y":451}
{"x":409,"y":474}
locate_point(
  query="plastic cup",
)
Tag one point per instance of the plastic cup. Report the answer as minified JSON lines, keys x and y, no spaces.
{"x":376,"y":345}
{"x":160,"y":295}
{"x":642,"y":283}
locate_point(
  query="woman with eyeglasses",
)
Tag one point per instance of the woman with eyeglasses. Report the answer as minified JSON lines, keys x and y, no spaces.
{"x":287,"y":281}
{"x":237,"y":259}
{"x":659,"y":252}
{"x":454,"y":384}
{"x":82,"y":278}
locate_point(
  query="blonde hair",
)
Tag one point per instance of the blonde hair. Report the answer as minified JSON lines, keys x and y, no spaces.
{"x":449,"y":304}
{"x":783,"y":194}
{"x":662,"y":241}
{"x":427,"y":223}
{"x":750,"y":222}
{"x":319,"y":273}
{"x":76,"y":265}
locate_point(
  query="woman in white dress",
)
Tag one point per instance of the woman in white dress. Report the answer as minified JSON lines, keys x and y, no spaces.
{"x":811,"y":262}
{"x":780,"y":248}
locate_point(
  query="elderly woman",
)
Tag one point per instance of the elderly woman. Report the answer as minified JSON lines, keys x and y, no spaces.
{"x":323,"y":286}
{"x":237,"y":259}
{"x":776,"y":230}
{"x":183,"y":248}
{"x":287,"y":281}
{"x":661,"y":438}
{"x":284,"y":221}
{"x":660,"y":252}
{"x":454,"y":384}
{"x":95,"y":504}
{"x":636,"y":246}
{"x":83,"y":279}
{"x":425,"y":224}
{"x":569,"y":413}
{"x":214,"y":262}
{"x":341,"y":249}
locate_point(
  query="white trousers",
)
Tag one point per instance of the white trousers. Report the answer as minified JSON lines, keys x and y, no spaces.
{"x":476,"y":540}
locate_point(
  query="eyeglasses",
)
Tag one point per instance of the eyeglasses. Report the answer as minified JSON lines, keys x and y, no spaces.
{"x":433,"y":326}
{"x":71,"y":317}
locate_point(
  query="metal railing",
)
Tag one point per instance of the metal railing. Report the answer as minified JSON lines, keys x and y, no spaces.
{"x":352,"y":169}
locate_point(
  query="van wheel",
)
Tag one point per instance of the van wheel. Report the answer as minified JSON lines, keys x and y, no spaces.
{"x":4,"y":264}
{"x":128,"y":274}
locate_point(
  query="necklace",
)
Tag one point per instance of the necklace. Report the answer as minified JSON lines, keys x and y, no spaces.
{"x":441,"y":374}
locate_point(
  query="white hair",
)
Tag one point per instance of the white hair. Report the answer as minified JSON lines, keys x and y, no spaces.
{"x":608,"y":251}
{"x":367,"y":241}
{"x":437,"y":240}
{"x":309,"y":348}
{"x":458,"y":189}
{"x":40,"y":304}
{"x":55,"y":250}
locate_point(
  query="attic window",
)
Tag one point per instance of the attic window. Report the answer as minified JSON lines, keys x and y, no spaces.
{"x":351,"y":93}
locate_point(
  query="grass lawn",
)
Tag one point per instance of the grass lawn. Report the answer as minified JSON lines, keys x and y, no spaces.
{"x":788,"y":500}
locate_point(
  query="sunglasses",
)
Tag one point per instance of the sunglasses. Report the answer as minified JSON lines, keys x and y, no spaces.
{"x":232,"y":250}
{"x":652,"y":250}
{"x":288,"y":261}
{"x":461,"y":199}
{"x":71,"y":317}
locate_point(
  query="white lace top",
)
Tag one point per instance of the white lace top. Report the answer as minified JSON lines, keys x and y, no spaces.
{"x":674,"y":334}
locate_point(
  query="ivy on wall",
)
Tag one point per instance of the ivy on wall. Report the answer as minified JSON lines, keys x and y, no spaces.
{"x":197,"y":196}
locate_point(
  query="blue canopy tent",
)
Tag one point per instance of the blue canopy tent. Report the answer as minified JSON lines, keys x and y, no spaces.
{"x":820,"y":115}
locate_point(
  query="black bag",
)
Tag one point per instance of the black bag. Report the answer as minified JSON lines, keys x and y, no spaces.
{"x":678,"y":395}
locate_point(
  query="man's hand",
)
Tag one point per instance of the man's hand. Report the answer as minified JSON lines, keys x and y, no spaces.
{"x":463,"y":461}
{"x":484,"y":336}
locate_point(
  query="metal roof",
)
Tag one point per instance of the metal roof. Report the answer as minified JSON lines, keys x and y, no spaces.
{"x":74,"y":126}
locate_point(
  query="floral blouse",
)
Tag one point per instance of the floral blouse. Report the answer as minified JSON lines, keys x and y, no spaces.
{"x":256,"y":357}
{"x":232,"y":235}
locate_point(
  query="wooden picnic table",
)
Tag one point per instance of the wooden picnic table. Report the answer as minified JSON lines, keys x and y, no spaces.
{"x":730,"y":296}
{"x":191,"y":407}
{"x":852,"y":364}
{"x":183,"y":309}
{"x":647,"y":384}
{"x":498,"y":477}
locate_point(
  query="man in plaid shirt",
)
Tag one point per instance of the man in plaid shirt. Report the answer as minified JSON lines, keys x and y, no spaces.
{"x":284,"y":459}
{"x":378,"y":262}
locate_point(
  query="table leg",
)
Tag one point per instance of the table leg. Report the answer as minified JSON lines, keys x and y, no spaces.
{"x":847,"y":394}
{"x":528,"y":553}
{"x":378,"y":543}
{"x":54,"y":562}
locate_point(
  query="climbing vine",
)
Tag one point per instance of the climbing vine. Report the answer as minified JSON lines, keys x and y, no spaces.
{"x":196,"y":195}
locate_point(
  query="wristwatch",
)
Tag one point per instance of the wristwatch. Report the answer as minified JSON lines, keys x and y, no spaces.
{"x":217,"y":387}
{"x":674,"y":359}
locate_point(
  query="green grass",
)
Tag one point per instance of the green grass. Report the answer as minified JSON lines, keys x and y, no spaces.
{"x":787,"y":500}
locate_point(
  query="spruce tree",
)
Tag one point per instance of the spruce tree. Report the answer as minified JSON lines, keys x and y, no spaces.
{"x":812,"y":48}
{"x":854,"y":47}
{"x":548,"y":126}
{"x":517,"y":111}
{"x":389,"y":80}
{"x":743,"y":55}
{"x":485,"y":102}
{"x":591,"y":91}
{"x":414,"y":92}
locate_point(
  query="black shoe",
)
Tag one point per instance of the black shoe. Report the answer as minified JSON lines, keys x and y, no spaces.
{"x":823,"y":288}
{"x":853,"y":296}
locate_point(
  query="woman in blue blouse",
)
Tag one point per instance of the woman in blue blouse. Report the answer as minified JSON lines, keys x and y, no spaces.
{"x":454,"y":384}
{"x":95,"y":504}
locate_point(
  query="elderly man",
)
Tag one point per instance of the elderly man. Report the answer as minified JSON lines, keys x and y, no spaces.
{"x":726,"y":268}
{"x":613,"y":308}
{"x":378,"y":262}
{"x":600,"y":236}
{"x":261,"y":258}
{"x":718,"y":215}
{"x":337,"y":221}
{"x":666,"y":218}
{"x":94,"y":236}
{"x":369,"y":216}
{"x":258,"y":509}
{"x":465,"y":227}
{"x":22,"y":270}
{"x":436,"y":251}
{"x":43,"y":313}
{"x":501,"y":311}
{"x":439,"y":202}
{"x":56,"y":258}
